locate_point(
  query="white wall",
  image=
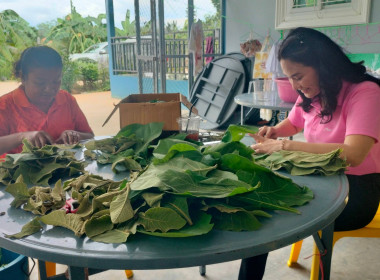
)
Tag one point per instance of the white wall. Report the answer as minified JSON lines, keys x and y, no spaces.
{"x":244,"y":16}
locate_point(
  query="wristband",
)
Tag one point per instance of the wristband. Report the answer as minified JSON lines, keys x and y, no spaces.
{"x":283,"y":144}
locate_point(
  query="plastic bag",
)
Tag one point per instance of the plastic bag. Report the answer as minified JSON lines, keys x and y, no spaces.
{"x":261,"y":57}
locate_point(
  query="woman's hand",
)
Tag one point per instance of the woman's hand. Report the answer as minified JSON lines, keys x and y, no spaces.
{"x":69,"y":137}
{"x":37,"y":138}
{"x":268,"y":132}
{"x":265,"y":145}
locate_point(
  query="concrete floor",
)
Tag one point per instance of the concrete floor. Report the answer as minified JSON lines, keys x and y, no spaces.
{"x":353,"y":259}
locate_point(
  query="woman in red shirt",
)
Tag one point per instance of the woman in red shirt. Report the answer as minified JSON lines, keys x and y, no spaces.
{"x":38,"y":110}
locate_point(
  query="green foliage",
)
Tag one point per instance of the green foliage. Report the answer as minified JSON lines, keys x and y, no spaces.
{"x":70,"y":74}
{"x":88,"y":73}
{"x":175,"y":197}
{"x":15,"y":36}
{"x":76,"y":33}
{"x":39,"y":166}
{"x":128,"y":27}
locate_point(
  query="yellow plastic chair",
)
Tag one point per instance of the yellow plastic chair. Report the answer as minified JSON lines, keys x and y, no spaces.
{"x":371,"y":230}
{"x":51,"y":270}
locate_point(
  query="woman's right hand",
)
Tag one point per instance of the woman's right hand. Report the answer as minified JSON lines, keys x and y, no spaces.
{"x":38,"y":138}
{"x":268,"y":132}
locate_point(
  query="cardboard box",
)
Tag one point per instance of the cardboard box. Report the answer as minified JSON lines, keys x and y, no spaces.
{"x":154,"y":107}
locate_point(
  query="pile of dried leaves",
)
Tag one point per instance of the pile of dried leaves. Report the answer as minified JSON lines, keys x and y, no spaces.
{"x":187,"y":190}
{"x":302,"y":163}
{"x":40,"y":166}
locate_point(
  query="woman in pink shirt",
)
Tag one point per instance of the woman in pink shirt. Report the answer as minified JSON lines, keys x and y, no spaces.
{"x":337,"y":107}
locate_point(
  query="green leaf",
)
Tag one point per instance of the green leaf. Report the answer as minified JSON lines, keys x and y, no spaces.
{"x":202,"y":225}
{"x":237,"y":132}
{"x":161,"y":218}
{"x":150,"y":177}
{"x":178,"y":204}
{"x":19,"y":191}
{"x":153,"y":199}
{"x":166,"y":145}
{"x":98,"y":225}
{"x":30,"y":228}
{"x":61,"y":219}
{"x":230,"y":148}
{"x":239,"y":221}
{"x":184,"y":183}
{"x":112,"y":236}
{"x":121,"y":208}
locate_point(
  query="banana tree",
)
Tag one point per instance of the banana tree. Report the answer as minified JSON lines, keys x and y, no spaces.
{"x":15,"y":36}
{"x":75,"y":33}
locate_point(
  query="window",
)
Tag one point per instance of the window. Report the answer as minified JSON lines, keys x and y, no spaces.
{"x":318,"y":13}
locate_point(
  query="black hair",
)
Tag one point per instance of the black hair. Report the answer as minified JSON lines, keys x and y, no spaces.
{"x":312,"y":48}
{"x":36,"y":57}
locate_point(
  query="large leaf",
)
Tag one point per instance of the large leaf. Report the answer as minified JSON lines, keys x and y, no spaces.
{"x":239,"y":221}
{"x":178,"y":204}
{"x":229,"y":148}
{"x":30,"y":228}
{"x":162,"y":219}
{"x":121,"y":208}
{"x":112,"y":236}
{"x":98,"y":225}
{"x":19,"y":191}
{"x":150,"y":177}
{"x":202,"y":225}
{"x":61,"y":219}
{"x":275,"y":192}
{"x":184,"y":183}
{"x":237,"y":132}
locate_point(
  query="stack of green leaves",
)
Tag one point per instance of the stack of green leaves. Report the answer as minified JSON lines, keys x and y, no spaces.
{"x":302,"y":163}
{"x":40,"y":165}
{"x":128,"y":150}
{"x":186,"y":190}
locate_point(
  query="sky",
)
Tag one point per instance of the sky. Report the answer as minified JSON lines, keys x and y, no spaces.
{"x":40,"y":11}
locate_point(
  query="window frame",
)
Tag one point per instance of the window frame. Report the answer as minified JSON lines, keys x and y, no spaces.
{"x":356,"y":12}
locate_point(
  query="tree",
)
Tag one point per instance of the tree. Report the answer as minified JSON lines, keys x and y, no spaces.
{"x":44,"y":28}
{"x":15,"y":36}
{"x":129,"y":28}
{"x":74,"y":34}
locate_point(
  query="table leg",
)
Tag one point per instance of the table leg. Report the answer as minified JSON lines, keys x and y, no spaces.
{"x":42,"y":270}
{"x":242,"y":115}
{"x":325,"y":247}
{"x":76,"y":273}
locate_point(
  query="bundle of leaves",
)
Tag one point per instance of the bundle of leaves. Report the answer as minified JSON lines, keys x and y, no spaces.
{"x":40,"y":166}
{"x":38,"y":200}
{"x":128,"y":150}
{"x":302,"y":163}
{"x":187,"y":190}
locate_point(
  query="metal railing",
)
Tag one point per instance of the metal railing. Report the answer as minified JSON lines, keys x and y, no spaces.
{"x":176,"y":47}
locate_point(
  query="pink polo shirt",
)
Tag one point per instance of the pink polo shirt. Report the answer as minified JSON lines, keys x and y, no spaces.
{"x":357,"y":112}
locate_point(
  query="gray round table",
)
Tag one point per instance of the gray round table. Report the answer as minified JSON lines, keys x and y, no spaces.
{"x":247,"y":100}
{"x":143,"y":252}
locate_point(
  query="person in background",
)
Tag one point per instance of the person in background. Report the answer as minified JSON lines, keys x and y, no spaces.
{"x":337,"y":108}
{"x":38,"y":110}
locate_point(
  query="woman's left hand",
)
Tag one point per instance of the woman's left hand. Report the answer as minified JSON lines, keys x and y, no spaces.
{"x":69,"y":137}
{"x":265,"y":145}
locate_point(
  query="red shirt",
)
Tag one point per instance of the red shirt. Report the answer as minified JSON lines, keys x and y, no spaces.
{"x":17,"y":114}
